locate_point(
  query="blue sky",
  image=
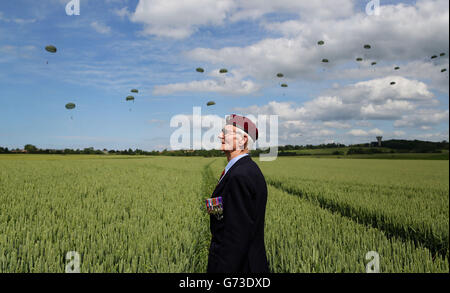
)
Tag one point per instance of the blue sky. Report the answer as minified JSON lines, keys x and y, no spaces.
{"x":155,"y":46}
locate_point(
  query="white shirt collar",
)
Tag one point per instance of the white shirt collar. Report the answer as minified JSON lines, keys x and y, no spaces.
{"x":231,"y":163}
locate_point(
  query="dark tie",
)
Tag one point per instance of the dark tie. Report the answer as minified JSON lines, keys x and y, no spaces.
{"x":221,"y":175}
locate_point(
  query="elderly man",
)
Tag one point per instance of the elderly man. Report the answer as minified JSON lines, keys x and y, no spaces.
{"x":238,"y":205}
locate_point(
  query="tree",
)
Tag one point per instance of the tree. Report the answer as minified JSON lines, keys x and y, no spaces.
{"x":89,"y":151}
{"x":30,"y":148}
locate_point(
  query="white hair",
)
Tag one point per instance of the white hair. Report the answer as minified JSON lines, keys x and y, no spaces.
{"x":250,"y":141}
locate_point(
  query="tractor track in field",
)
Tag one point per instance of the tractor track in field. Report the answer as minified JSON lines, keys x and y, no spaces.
{"x":427,"y":239}
{"x":201,"y":247}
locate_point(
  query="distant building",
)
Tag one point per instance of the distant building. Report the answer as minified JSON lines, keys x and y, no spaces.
{"x":379,"y":138}
{"x":19,"y":151}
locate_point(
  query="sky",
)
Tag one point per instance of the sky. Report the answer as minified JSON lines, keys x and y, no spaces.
{"x":155,"y":46}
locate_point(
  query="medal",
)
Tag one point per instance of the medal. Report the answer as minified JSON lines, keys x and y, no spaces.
{"x":214,"y":206}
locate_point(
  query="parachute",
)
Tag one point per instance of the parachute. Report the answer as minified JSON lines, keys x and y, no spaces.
{"x":443,"y":69}
{"x":280,"y":75}
{"x":325,"y":64}
{"x":223,"y":70}
{"x":284,"y":85}
{"x":70,"y":106}
{"x":210,"y":103}
{"x":374,"y":63}
{"x":359,"y":59}
{"x":129,"y":98}
{"x":135,"y":91}
{"x":393,"y":83}
{"x":51,"y":49}
{"x":367,"y":55}
{"x":434,"y":57}
{"x":201,"y":70}
{"x":397,"y":68}
{"x":442,"y":54}
{"x":320,"y":43}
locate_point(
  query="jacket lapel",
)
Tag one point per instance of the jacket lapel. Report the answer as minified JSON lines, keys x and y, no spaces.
{"x":225,"y":177}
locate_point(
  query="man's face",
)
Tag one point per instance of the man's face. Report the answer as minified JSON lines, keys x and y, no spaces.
{"x":231,"y":141}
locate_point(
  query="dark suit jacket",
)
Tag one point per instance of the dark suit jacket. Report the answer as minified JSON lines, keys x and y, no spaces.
{"x":237,"y":243}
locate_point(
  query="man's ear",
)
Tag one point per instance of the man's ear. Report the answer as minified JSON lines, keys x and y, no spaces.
{"x":245,"y":141}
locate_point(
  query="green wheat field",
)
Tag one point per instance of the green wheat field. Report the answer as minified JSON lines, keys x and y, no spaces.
{"x":147,"y":215}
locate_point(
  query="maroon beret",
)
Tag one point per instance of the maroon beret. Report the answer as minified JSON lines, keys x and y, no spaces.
{"x":243,"y":123}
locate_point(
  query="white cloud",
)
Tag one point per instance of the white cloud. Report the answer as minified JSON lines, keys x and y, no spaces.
{"x":100,"y":28}
{"x":323,"y":132}
{"x":400,"y":31}
{"x":356,"y":104}
{"x":364,"y":123}
{"x":400,"y":35}
{"x":388,"y":111}
{"x":179,"y":19}
{"x":337,"y":124}
{"x":225,"y":85}
{"x":368,"y":100}
{"x":381,"y":90}
{"x":423,"y":117}
{"x":324,"y":9}
{"x":286,"y":110}
{"x":122,"y":13}
{"x":360,"y":132}
{"x":434,"y":136}
{"x":399,"y":133}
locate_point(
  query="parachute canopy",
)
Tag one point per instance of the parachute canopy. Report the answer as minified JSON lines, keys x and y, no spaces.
{"x":443,"y":69}
{"x":434,"y":57}
{"x":374,"y":63}
{"x":367,"y":46}
{"x":284,"y":85}
{"x":51,"y":49}
{"x":70,"y":106}
{"x":135,"y":91}
{"x":397,"y":68}
{"x":320,"y":43}
{"x":130,"y":98}
{"x":223,"y":70}
{"x":201,"y":70}
{"x":210,"y":103}
{"x":325,"y":60}
{"x":359,"y":59}
{"x":393,"y":82}
{"x":442,"y":54}
{"x":280,"y":75}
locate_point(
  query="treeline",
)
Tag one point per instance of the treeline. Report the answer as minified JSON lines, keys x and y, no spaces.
{"x":31,"y":149}
{"x":310,"y":147}
{"x":393,"y":146}
{"x":409,"y":146}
